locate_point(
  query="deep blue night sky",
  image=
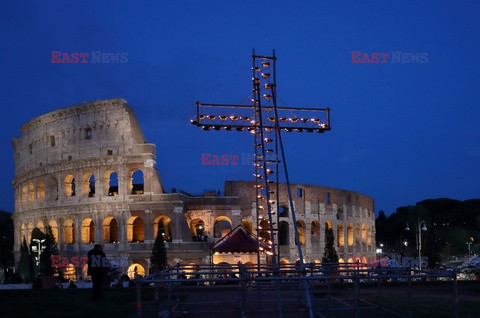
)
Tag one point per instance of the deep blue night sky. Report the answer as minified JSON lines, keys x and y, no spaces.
{"x":400,"y":132}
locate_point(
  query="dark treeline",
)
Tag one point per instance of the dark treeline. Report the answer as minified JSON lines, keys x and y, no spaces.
{"x":451,"y":227}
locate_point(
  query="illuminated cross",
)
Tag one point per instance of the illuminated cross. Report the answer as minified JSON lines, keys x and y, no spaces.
{"x":265,"y":120}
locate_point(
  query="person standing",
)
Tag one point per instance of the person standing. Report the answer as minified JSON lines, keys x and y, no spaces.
{"x":97,"y":269}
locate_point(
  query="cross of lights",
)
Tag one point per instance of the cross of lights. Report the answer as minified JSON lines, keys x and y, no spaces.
{"x":265,"y":120}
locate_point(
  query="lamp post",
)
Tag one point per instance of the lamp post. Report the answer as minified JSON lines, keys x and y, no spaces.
{"x":420,"y":226}
{"x":38,"y":249}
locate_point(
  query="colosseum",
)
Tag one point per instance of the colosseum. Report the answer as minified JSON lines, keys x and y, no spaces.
{"x":88,"y":172}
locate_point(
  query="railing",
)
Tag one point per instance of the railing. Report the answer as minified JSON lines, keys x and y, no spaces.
{"x":284,"y":284}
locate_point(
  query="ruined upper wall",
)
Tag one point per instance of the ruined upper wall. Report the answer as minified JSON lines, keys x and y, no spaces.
{"x":302,"y":193}
{"x":88,"y":130}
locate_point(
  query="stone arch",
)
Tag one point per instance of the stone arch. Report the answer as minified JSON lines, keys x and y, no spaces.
{"x":69,"y":231}
{"x":197,"y":228}
{"x":85,"y":275}
{"x":31,"y":192}
{"x":110,"y":183}
{"x":88,"y":231}
{"x":340,"y":236}
{"x":29,"y":231}
{"x":369,"y":236}
{"x":247,"y":225}
{"x":364,"y":233}
{"x":221,"y":226}
{"x":51,"y":188}
{"x":301,"y":231}
{"x":164,"y":224}
{"x":134,"y":270}
{"x":88,"y":184}
{"x":315,"y":232}
{"x":328,"y":224}
{"x":357,"y":233}
{"x":41,"y":226}
{"x":24,"y":194}
{"x":110,"y":230}
{"x":69,"y":185}
{"x":350,"y":234}
{"x":136,"y":181}
{"x":284,"y":262}
{"x":54,"y":226}
{"x":135,"y":229}
{"x":41,"y":191}
{"x":22,"y":233}
{"x":283,"y":233}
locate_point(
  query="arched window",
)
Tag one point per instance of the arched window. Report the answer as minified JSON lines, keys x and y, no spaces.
{"x":69,"y":232}
{"x":222,"y":226}
{"x":88,"y":231}
{"x":31,"y":192}
{"x":350,"y":234}
{"x":357,"y":233}
{"x":163,"y":225}
{"x":364,"y":233}
{"x":328,"y":224}
{"x":315,"y":232}
{"x":69,"y":186}
{"x":340,"y":235}
{"x":135,"y":184}
{"x":301,"y":231}
{"x":110,"y":230}
{"x":24,"y":194}
{"x":41,"y":191}
{"x":88,"y":184}
{"x":110,"y":183}
{"x":22,"y":232}
{"x":40,"y":226}
{"x":29,"y":232}
{"x":135,"y":229}
{"x":197,"y":227}
{"x":53,"y":225}
{"x":247,"y":225}
{"x":283,"y":233}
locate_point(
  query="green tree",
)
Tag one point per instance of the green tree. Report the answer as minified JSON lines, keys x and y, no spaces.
{"x":25,"y":264}
{"x":158,"y":260}
{"x":330,"y":254}
{"x":50,"y":248}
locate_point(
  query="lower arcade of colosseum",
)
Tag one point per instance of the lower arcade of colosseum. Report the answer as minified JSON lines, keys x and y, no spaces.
{"x":88,"y":173}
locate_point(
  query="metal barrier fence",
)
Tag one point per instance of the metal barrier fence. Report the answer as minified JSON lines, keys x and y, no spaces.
{"x":247,"y":292}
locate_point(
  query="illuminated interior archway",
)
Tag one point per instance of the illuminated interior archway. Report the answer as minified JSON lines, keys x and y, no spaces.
{"x":41,"y":191}
{"x":31,"y":192}
{"x":135,"y":229}
{"x":69,"y":232}
{"x":301,"y":231}
{"x":340,"y":235}
{"x":69,"y":185}
{"x":350,"y":234}
{"x":135,"y":270}
{"x":315,"y":232}
{"x":54,"y":226}
{"x":110,"y":230}
{"x":247,"y":225}
{"x":222,"y":226}
{"x":162,"y":225}
{"x":88,"y":231}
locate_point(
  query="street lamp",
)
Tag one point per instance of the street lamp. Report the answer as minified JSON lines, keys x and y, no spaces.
{"x":421,"y":226}
{"x":38,"y":249}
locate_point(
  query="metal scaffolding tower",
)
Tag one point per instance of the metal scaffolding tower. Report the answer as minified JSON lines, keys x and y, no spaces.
{"x":265,"y":120}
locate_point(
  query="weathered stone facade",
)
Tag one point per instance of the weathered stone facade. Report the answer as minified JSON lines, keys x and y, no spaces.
{"x":87,"y":171}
